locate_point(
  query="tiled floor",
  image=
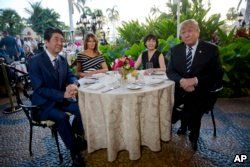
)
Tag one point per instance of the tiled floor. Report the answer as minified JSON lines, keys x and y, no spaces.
{"x":233,"y":136}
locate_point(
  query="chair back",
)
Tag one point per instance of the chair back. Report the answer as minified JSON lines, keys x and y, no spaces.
{"x":212,"y":98}
{"x":31,"y":112}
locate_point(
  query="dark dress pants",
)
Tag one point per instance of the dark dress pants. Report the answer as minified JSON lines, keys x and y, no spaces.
{"x":64,"y":128}
{"x":193,"y":112}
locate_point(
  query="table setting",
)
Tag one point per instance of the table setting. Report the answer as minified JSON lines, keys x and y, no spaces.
{"x":106,"y":82}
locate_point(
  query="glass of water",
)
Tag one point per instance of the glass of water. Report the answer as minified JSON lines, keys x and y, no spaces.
{"x":149,"y":68}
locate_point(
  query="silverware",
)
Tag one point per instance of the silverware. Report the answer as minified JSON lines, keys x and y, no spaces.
{"x":111,"y":88}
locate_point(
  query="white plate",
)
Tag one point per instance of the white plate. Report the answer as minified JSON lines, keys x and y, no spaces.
{"x":159,"y":73}
{"x":90,"y":77}
{"x":85,"y":81}
{"x":96,"y":86}
{"x":90,"y":81}
{"x":134,"y":87}
{"x":155,"y":81}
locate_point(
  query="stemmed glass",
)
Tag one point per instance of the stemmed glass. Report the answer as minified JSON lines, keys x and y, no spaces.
{"x":149,"y":68}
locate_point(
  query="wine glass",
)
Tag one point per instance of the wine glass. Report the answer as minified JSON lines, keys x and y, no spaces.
{"x":149,"y":68}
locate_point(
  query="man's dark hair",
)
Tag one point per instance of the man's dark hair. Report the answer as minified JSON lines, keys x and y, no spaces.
{"x":149,"y":37}
{"x":50,"y":31}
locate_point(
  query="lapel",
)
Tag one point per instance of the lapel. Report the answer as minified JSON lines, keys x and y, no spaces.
{"x":60,"y":70}
{"x":198,"y":54}
{"x":182,"y":59}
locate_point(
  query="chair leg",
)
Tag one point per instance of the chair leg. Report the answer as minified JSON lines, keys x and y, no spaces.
{"x":30,"y":144}
{"x":212,"y":115}
{"x":54,"y":131}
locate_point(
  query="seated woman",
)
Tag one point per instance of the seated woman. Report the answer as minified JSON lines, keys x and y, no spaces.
{"x":90,"y":61}
{"x":151,"y":55}
{"x":28,"y":52}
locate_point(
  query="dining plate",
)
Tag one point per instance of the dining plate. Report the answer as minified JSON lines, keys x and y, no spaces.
{"x":90,"y":81}
{"x":85,"y":81}
{"x":134,"y":87}
{"x":155,"y":81}
{"x":96,"y":86}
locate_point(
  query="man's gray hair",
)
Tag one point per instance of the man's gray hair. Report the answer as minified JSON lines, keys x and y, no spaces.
{"x":189,"y":22}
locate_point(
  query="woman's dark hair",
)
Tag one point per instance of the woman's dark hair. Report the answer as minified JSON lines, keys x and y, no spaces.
{"x":86,"y":39}
{"x":50,"y":31}
{"x":149,"y":37}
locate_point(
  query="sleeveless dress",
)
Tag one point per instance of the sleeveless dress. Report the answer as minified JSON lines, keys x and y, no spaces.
{"x":154,"y":59}
{"x":90,"y":63}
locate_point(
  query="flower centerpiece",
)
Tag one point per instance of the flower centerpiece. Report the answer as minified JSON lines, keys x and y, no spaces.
{"x":125,"y":65}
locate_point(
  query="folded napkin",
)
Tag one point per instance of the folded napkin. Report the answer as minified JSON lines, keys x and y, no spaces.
{"x":99,"y":75}
{"x":159,"y":73}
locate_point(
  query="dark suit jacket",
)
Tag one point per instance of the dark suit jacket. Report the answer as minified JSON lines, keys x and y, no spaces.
{"x":48,"y":89}
{"x":206,"y":67}
{"x":10,"y":46}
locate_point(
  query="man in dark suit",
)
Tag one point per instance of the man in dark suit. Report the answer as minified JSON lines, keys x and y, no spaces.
{"x":10,"y":45}
{"x":54,"y":85}
{"x":195,"y":67}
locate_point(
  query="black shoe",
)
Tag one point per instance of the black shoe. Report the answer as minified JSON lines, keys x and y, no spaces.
{"x":194,"y":145}
{"x":181,"y":131}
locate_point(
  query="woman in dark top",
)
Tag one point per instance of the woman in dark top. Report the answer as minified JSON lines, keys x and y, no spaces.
{"x":151,"y":55}
{"x":90,"y":61}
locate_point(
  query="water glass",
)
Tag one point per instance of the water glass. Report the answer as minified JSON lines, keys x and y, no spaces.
{"x":149,"y":68}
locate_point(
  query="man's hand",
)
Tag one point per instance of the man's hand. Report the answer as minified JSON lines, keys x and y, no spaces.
{"x":188,"y":84}
{"x":71,"y":91}
{"x":72,"y":87}
{"x":68,"y":95}
{"x":190,"y":89}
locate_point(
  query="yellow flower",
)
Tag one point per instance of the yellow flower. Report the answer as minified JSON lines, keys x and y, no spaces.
{"x":134,"y":73}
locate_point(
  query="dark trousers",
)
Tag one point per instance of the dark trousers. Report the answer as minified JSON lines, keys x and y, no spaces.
{"x":61,"y":119}
{"x":191,"y":111}
{"x":191,"y":118}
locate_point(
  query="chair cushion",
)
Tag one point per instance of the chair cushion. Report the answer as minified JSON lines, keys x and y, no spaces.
{"x":46,"y":123}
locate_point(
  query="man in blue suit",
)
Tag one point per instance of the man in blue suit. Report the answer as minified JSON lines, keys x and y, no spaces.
{"x":53,"y":87}
{"x":10,"y":45}
{"x":196,"y":69}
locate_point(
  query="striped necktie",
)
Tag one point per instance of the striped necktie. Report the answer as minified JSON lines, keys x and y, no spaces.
{"x":189,"y":59}
{"x":56,"y":67}
{"x":56,"y":64}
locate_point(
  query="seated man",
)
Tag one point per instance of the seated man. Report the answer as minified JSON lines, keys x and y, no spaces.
{"x":54,"y":86}
{"x":195,"y":67}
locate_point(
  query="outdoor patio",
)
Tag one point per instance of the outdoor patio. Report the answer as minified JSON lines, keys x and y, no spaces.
{"x":233,"y":129}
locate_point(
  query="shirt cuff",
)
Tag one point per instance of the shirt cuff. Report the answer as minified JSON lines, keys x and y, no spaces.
{"x":196,"y":81}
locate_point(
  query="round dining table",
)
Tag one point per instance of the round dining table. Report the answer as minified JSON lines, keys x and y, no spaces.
{"x":126,"y":116}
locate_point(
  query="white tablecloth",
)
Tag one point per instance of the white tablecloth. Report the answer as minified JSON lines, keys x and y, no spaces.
{"x":124,"y":119}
